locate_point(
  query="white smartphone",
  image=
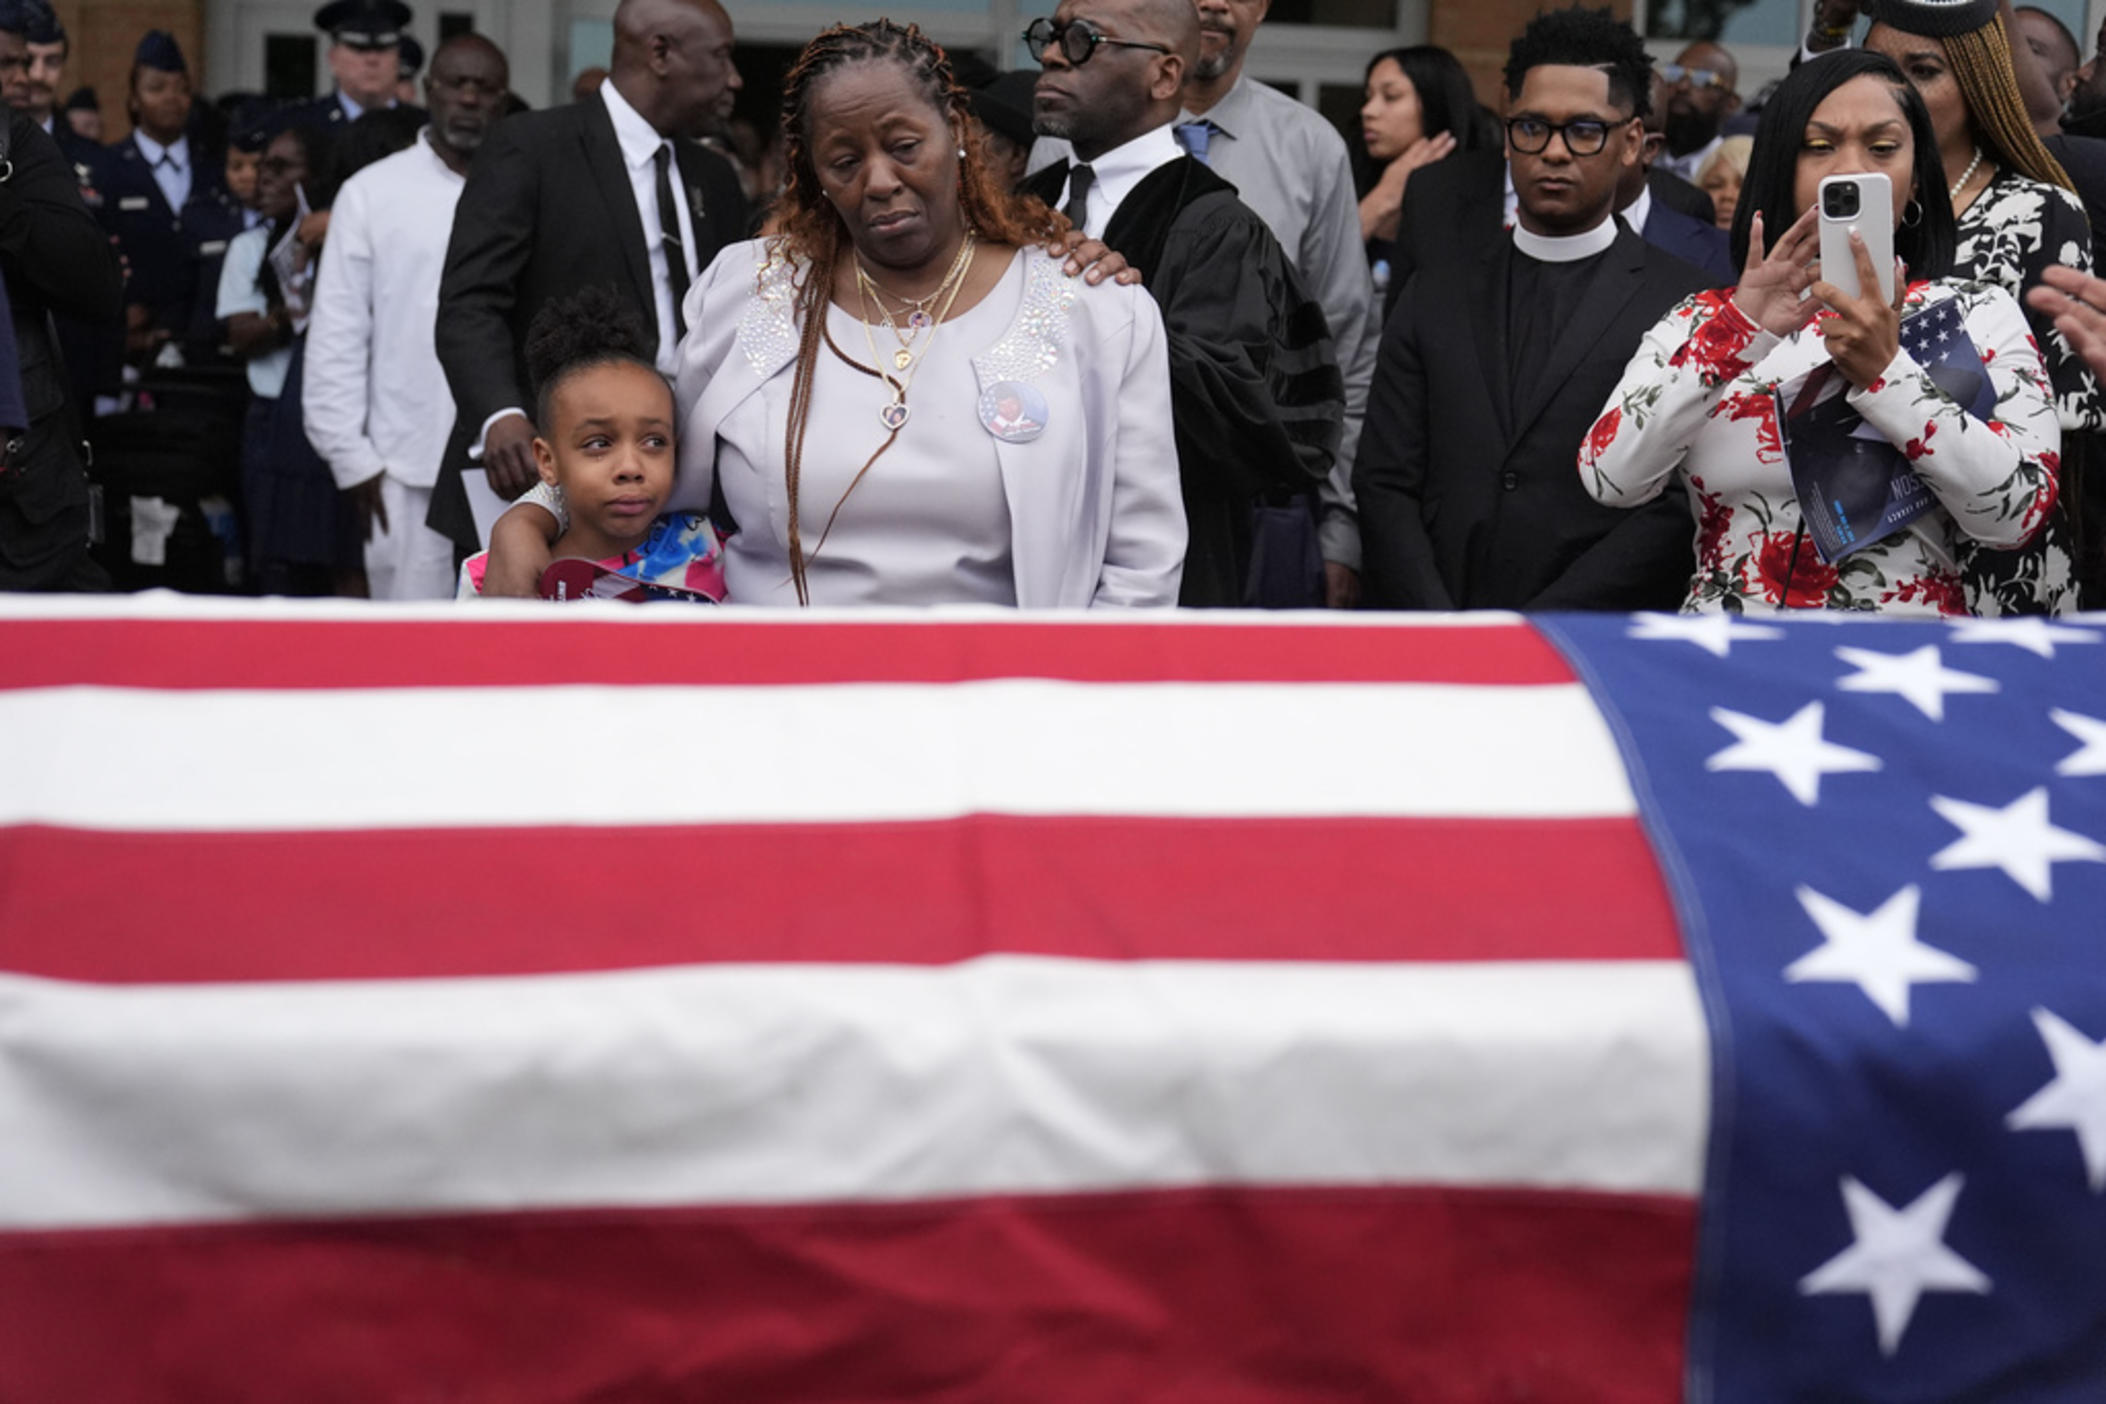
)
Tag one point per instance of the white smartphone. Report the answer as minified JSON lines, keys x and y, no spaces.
{"x":1864,"y":203}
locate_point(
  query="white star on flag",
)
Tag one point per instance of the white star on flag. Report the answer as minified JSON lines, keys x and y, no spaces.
{"x":1877,"y":951}
{"x":2092,"y":732}
{"x":1792,"y":750}
{"x":1920,"y":677}
{"x":2076,"y":1099}
{"x":1899,"y":1255}
{"x":2017,"y":838}
{"x":1713,"y":633}
{"x":2031,"y":633}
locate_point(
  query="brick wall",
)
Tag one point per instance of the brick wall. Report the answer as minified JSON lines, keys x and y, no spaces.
{"x":104,"y":34}
{"x":1478,"y":32}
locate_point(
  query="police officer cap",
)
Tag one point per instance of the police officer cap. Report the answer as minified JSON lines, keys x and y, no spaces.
{"x":411,"y":58}
{"x":364,"y":24}
{"x":252,"y":123}
{"x":159,"y":51}
{"x":34,"y":20}
{"x":83,"y":100}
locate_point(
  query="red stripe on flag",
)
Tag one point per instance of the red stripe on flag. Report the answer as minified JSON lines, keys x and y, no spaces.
{"x":472,"y":653}
{"x":405,"y":904}
{"x":1257,"y":1296}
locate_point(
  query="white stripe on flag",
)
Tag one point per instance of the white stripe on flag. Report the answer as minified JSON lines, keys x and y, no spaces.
{"x":763,"y":1084}
{"x":135,"y":759}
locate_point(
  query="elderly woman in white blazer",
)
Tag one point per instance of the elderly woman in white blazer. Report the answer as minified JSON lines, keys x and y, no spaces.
{"x":901,"y":398}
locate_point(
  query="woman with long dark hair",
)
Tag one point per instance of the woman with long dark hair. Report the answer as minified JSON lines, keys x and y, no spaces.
{"x":1419,"y":107}
{"x":1702,"y":398}
{"x":900,"y":397}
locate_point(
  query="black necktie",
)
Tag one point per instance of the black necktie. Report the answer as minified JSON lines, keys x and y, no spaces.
{"x":669,"y":237}
{"x":1077,"y":208}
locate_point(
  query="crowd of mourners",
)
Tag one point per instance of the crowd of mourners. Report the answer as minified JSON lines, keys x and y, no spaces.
{"x":1130,"y":328}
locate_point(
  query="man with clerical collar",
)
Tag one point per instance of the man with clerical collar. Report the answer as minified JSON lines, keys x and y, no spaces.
{"x":166,"y":204}
{"x":1255,"y":390}
{"x":1493,"y":368}
{"x":365,"y":58}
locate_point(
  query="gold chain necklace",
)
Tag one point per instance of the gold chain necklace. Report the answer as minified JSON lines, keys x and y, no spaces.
{"x":919,"y":320}
{"x":893,"y":414}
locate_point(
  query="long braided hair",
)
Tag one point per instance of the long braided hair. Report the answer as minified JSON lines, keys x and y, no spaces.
{"x":813,"y":233}
{"x":1981,"y":64}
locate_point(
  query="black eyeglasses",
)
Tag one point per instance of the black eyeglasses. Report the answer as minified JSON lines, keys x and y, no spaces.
{"x":1584,"y":136}
{"x":1078,"y":39}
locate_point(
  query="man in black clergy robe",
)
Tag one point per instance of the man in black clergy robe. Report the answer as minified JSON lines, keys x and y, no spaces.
{"x":612,"y":191}
{"x":1256,"y":396}
{"x":1494,"y":366}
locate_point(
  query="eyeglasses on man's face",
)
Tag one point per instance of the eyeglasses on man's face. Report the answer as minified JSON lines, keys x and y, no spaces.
{"x":1699,"y":78}
{"x":1078,"y":39}
{"x":1584,"y":136}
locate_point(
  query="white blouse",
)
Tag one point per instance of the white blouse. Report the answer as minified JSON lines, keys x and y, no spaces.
{"x":928,"y":524}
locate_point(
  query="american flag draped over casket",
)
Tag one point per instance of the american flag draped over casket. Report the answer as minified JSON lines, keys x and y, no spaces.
{"x":629,"y":1004}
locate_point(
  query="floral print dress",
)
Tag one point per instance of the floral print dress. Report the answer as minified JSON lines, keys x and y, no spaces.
{"x":1700,"y":399}
{"x":2015,"y":230}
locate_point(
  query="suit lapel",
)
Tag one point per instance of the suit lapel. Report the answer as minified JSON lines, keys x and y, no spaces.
{"x":603,"y":157}
{"x":1621,"y":275}
{"x":1487,"y":280}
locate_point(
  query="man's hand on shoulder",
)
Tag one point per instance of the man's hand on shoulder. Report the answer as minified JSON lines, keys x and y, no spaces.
{"x":508,"y":456}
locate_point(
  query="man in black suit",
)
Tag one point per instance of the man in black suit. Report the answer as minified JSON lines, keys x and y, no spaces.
{"x":55,"y":260}
{"x":1640,"y":203}
{"x":1256,"y":395}
{"x":611,"y":191}
{"x":1490,"y":375}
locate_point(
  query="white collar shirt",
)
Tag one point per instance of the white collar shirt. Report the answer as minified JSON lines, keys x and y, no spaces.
{"x":640,"y":143}
{"x":1688,"y":166}
{"x":1639,"y":210}
{"x":1119,"y":170}
{"x":376,"y":400}
{"x":170,"y":166}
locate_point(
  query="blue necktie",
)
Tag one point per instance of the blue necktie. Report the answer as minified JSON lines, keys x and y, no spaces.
{"x":1195,"y":136}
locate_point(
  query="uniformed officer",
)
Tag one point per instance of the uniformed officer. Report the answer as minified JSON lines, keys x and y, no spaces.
{"x":365,"y":58}
{"x":167,"y":204}
{"x":49,"y":48}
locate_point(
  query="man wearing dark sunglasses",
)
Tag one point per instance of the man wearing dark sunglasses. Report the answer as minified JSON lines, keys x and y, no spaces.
{"x":1494,"y":364}
{"x":1701,"y":95}
{"x":1255,"y":392}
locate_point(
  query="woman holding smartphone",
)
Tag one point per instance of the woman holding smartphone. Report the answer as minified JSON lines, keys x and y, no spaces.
{"x":1701,"y":399}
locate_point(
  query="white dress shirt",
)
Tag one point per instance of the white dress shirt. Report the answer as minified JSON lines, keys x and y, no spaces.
{"x":376,"y":399}
{"x":1688,"y":166}
{"x":170,"y":165}
{"x":640,"y":143}
{"x":1639,"y":210}
{"x":1118,"y":171}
